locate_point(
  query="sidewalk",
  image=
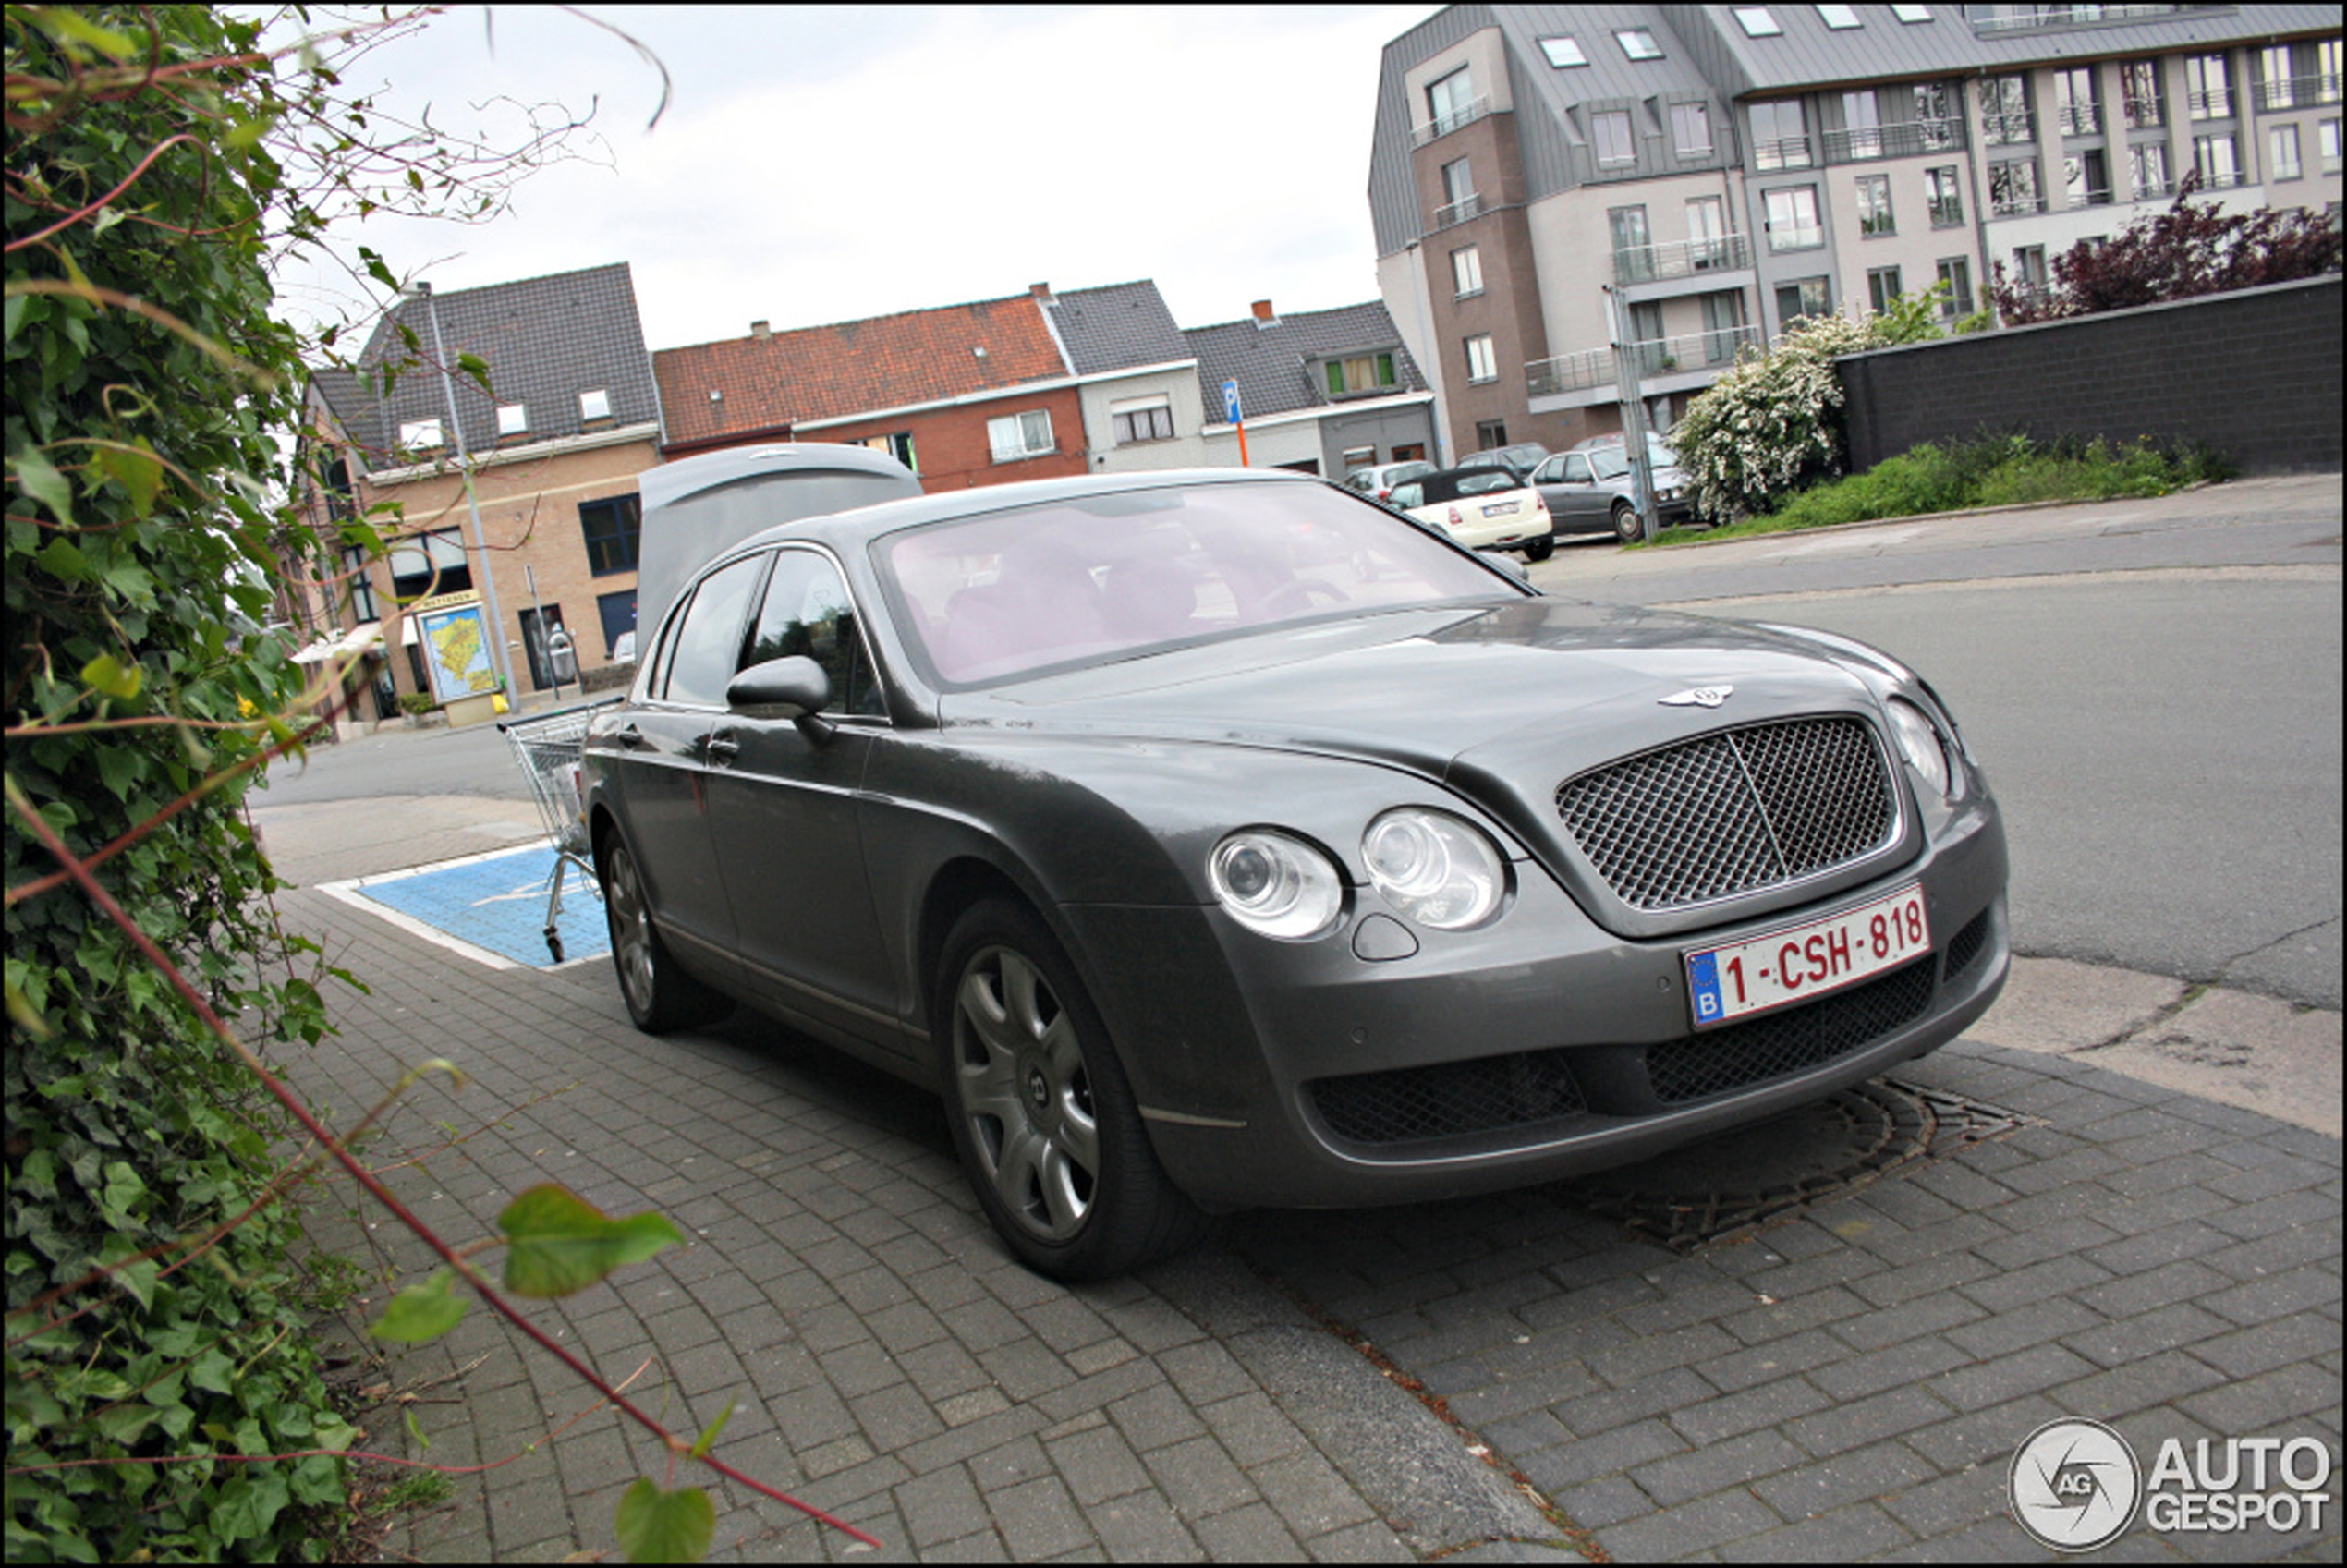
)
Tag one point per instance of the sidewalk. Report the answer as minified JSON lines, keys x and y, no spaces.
{"x":2146,"y":1246}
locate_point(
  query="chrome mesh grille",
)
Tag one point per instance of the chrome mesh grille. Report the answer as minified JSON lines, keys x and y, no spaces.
{"x":1798,"y":1038}
{"x":1731,"y":812}
{"x":1449,"y":1097}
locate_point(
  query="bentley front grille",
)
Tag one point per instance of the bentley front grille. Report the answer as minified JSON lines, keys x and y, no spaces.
{"x":1732,"y":812}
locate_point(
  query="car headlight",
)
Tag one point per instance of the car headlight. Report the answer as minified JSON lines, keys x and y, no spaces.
{"x":1919,"y":739}
{"x":1435,"y":868}
{"x":1276,"y":884}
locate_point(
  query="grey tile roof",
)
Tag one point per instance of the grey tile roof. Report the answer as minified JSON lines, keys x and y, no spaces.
{"x":1273,"y":363}
{"x":1115,"y":327}
{"x":545,"y":340}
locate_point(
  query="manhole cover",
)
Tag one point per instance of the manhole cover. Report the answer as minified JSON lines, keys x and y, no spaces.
{"x":1739,"y":1181}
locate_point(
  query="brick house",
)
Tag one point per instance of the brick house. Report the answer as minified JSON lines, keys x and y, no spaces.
{"x":569,"y":417}
{"x":1323,"y":392}
{"x":962,"y":394}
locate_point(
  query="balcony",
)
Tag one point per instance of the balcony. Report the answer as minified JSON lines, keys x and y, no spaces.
{"x":2023,"y":19}
{"x":2145,"y":113}
{"x":2079,"y":119}
{"x":1458,"y":212}
{"x":1681,"y":259}
{"x":2017,"y":204}
{"x":2217,"y":104}
{"x":2153,"y":191}
{"x":2296,"y":92}
{"x":2004,"y":128}
{"x":1786,"y":153}
{"x":1445,"y":126}
{"x":1696,"y":354}
{"x":1905,"y":139}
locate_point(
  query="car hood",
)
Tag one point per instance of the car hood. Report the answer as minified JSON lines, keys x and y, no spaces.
{"x":1500,"y":702}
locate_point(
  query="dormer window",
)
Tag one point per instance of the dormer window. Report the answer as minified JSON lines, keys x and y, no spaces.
{"x":422,"y":435}
{"x":513,"y":418}
{"x":595,"y":405}
{"x":1756,"y":23}
{"x":1564,"y":52}
{"x":1638,"y":44}
{"x":1358,"y":373}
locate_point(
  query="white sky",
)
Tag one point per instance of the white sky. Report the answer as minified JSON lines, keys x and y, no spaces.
{"x":825,"y":164}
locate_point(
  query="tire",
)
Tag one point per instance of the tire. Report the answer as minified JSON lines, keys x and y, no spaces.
{"x":1541,"y":549}
{"x":660,"y":997}
{"x":1625,"y":522}
{"x":1045,"y":1124}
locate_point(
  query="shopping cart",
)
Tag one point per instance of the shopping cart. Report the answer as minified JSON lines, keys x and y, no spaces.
{"x":548,"y":746}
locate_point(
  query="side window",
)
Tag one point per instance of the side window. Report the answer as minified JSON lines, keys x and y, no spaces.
{"x":1407,"y":495}
{"x":1577,"y":469}
{"x":1549,"y":472}
{"x":709,"y":643}
{"x":808,"y":611}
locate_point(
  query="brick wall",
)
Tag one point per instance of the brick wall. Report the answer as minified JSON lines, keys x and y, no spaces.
{"x":952,"y":446}
{"x":2254,"y":374}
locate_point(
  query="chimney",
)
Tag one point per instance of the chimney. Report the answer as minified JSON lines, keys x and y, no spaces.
{"x":1041,"y":291}
{"x":761,"y":331}
{"x":1263,"y":316}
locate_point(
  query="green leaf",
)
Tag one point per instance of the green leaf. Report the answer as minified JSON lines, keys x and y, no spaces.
{"x":110,"y":677}
{"x":421,"y":1312}
{"x":212,"y":1372}
{"x":666,"y":1526}
{"x":139,"y":472}
{"x":707,"y":1438}
{"x":476,"y":366}
{"x":416,"y":1429}
{"x":558,"y":1243}
{"x":71,"y":29}
{"x":38,"y":477}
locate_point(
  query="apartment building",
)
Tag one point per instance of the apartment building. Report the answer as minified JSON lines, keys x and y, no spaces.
{"x":1547,"y":180}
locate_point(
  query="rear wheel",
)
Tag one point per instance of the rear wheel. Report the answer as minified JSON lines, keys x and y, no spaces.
{"x":1625,"y":522}
{"x":660,"y":995}
{"x":1045,"y":1124}
{"x":1539,"y":549}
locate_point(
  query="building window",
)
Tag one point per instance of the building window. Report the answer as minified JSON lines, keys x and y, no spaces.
{"x":2218,"y":158}
{"x":1563,"y":52}
{"x":611,"y":529}
{"x":1793,"y":219}
{"x":1632,"y":246}
{"x":1467,"y":271}
{"x":1780,"y":135}
{"x":1861,"y":124}
{"x":1691,"y":129}
{"x":359,"y":583}
{"x":1451,"y":102}
{"x":1955,"y":275}
{"x":1483,"y":363}
{"x":422,"y":435}
{"x":897,"y":445}
{"x":1838,"y":18}
{"x":1882,"y":288}
{"x":427,"y":564}
{"x":1360,"y":458}
{"x":2086,"y":178}
{"x":2029,"y":267}
{"x":2013,"y":187}
{"x":1874,"y":206}
{"x":1707,"y":233}
{"x":2074,"y":100}
{"x":1610,"y":130}
{"x":1020,"y":435}
{"x":2282,"y":146}
{"x":1638,"y":44}
{"x":1945,"y":188}
{"x":513,"y":418}
{"x":1911,"y":14}
{"x":1804,"y":297}
{"x":1145,"y":419}
{"x":2004,"y":111}
{"x":1937,"y":115}
{"x":1458,"y":193}
{"x":1723,"y":326}
{"x":2139,"y":87}
{"x":1756,"y":23}
{"x":2147,"y":171}
{"x":2326,"y":141}
{"x":1362,"y":372}
{"x":594,"y":405}
{"x":1491,"y":434}
{"x":2273,"y":65}
{"x":2208,"y":87}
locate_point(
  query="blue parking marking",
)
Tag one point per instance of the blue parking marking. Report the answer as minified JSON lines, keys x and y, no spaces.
{"x":497,"y":903}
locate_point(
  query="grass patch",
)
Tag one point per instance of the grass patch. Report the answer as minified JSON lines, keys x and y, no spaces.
{"x":1988,"y":472}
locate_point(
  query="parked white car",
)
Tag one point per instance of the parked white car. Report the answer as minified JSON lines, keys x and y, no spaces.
{"x":1485,"y":508}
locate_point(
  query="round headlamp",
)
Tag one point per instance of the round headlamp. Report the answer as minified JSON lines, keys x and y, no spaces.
{"x":1276,"y":883}
{"x":1919,"y":742}
{"x":1433,"y":868}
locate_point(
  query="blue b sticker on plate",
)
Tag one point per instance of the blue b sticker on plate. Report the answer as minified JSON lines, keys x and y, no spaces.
{"x":1703,"y":980}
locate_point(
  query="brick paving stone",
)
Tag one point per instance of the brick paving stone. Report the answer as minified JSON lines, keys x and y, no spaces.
{"x":1778,"y":1318}
{"x":2008,"y":1378}
{"x":1251,"y":1430}
{"x":1585,"y":1459}
{"x":1309,"y":1492}
{"x":1843,"y":1536}
{"x":1142,"y":1528}
{"x":1716,"y":1465}
{"x":1098,"y":1465}
{"x":2277,"y":1294}
{"x":1933,"y":1314}
{"x":1854,"y":1424}
{"x":1768,"y":1404}
{"x":1696,"y":1528}
{"x":1772,"y":1359}
{"x":1198,"y":1477}
{"x":2156,"y":1332}
{"x":2138,"y":1385}
{"x":1039,"y":1518}
{"x":1665,"y":1390}
{"x":2264,"y":1347}
{"x":1642,"y":1359}
{"x":1371,"y":1542}
{"x":2129,"y":1295}
{"x":1895,"y":1287}
{"x":2256,"y":1404}
{"x":1253,"y":1534}
{"x":1913,"y":1361}
{"x":1610,"y":1501}
{"x":1824,"y":1485}
{"x":2008,"y":1289}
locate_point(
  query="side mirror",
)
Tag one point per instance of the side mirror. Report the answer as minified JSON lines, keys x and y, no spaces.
{"x":794,"y":688}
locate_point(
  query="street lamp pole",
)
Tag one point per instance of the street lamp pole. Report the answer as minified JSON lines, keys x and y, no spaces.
{"x":1633,"y":415}
{"x":502,"y":659}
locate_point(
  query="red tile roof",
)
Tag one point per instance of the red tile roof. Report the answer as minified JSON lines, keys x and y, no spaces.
{"x":767,"y":384}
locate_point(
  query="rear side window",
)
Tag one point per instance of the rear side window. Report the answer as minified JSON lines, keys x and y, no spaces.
{"x":1577,"y":469}
{"x":808,"y":614}
{"x":709,"y":643}
{"x":1408,"y":495}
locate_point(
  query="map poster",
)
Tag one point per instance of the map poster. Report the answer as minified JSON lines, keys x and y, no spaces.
{"x":457,"y":651}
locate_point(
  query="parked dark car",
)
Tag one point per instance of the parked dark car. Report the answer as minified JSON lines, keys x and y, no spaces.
{"x":1519,"y":459}
{"x":1590,"y":491}
{"x":1222,"y":839}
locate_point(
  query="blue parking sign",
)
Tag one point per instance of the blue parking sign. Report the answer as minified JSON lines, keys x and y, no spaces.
{"x":1231,"y":401}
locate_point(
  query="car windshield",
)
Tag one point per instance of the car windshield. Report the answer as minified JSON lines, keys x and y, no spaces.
{"x":1485,"y":483}
{"x":1116,"y":575}
{"x":1611,"y":462}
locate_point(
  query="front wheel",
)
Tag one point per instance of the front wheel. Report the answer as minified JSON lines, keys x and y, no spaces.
{"x":660,"y":995}
{"x":1043,"y":1120}
{"x":1625,"y":523}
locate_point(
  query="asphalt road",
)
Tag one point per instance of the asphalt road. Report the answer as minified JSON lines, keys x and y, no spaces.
{"x":2154,"y":687}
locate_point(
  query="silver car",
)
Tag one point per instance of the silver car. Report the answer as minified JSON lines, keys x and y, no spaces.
{"x":1589,"y":491}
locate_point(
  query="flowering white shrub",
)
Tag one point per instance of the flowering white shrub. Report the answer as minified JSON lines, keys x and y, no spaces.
{"x":1773,"y":424}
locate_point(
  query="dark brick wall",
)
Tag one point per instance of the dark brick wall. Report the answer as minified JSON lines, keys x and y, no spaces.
{"x":2255,"y":375}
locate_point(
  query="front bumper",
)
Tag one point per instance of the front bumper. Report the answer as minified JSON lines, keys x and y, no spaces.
{"x":1335,"y":1074}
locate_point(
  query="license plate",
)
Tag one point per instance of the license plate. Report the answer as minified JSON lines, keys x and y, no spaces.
{"x":1818,"y":956}
{"x":1494,"y":511}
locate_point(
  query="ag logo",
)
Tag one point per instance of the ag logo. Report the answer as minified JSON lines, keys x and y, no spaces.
{"x":2074,"y":1485}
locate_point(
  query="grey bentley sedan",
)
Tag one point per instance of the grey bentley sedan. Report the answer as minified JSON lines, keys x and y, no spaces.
{"x":1221,"y":839}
